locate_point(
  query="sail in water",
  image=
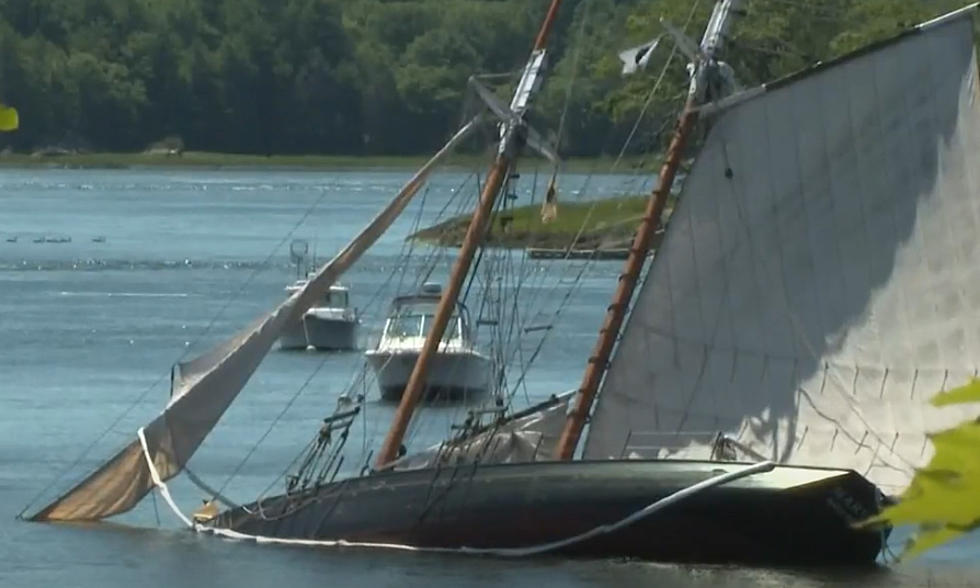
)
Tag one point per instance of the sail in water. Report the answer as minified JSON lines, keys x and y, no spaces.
{"x":204,"y":387}
{"x":817,"y":283}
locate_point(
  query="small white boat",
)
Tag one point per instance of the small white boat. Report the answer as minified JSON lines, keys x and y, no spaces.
{"x":330,"y":325}
{"x":294,"y":336}
{"x":458,"y":369}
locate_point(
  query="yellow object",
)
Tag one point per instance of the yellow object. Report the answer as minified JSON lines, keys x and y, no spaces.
{"x":9,"y":121}
{"x":943,"y":497}
{"x":206,"y":512}
{"x":549,"y":208}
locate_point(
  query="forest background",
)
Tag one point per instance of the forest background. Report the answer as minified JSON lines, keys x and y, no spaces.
{"x":374,"y":77}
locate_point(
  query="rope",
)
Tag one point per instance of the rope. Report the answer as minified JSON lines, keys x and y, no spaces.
{"x":656,"y":86}
{"x":155,"y":476}
{"x":571,"y":84}
{"x":273,"y":424}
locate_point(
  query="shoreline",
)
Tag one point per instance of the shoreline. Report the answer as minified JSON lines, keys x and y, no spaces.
{"x":236,"y":161}
{"x":609,"y":225}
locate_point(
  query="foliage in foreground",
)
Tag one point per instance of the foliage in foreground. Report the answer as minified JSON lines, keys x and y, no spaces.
{"x":944,"y":497}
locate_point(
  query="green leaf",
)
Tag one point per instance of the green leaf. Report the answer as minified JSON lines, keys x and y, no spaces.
{"x":9,"y":120}
{"x":961,"y":395}
{"x":943,"y":497}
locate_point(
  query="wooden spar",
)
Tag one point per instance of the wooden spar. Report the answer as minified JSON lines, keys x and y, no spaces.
{"x":613,"y":323}
{"x":624,"y":291}
{"x":542,"y":39}
{"x":510,"y":145}
{"x":447,"y":303}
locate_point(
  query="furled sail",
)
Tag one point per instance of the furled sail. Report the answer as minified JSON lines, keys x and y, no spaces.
{"x":526,"y":437}
{"x":819,"y":280}
{"x":204,"y":387}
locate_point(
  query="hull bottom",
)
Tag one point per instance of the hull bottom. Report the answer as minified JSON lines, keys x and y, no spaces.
{"x":789,"y":516}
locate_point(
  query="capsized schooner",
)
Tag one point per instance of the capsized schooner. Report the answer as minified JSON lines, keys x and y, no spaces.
{"x":814,"y":286}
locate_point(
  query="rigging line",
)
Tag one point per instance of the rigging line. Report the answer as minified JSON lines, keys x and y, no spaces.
{"x":615,"y":165}
{"x":547,"y":334}
{"x":828,"y":12}
{"x":306,"y":448}
{"x":656,"y":86}
{"x":403,"y":255}
{"x":636,"y":125}
{"x":519,"y":281}
{"x":571,"y":84}
{"x":409,"y":244}
{"x":411,"y":241}
{"x":538,"y":287}
{"x":360,"y":375}
{"x":437,"y":253}
{"x":274,"y":422}
{"x":570,"y":267}
{"x":784,"y":50}
{"x":142,"y":396}
{"x":215,"y":495}
{"x":419,"y":426}
{"x":422,"y":425}
{"x":576,"y":284}
{"x":564,"y":303}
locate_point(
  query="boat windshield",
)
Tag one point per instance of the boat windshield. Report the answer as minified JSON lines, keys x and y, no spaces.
{"x":452,"y":329}
{"x":418,"y":325}
{"x":405,"y":325}
{"x":336,"y":299}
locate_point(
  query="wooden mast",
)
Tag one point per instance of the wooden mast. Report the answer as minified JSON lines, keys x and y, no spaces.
{"x":616,"y":312}
{"x":511,"y":142}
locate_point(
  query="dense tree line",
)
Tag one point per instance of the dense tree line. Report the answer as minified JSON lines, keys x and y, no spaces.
{"x":371,"y":76}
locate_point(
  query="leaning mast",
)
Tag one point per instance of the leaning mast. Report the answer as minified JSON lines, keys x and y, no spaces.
{"x":704,"y":61}
{"x":513,"y":136}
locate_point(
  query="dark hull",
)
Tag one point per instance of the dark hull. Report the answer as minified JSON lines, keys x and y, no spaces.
{"x":787,"y":516}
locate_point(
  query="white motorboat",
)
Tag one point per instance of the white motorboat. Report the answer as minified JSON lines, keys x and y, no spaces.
{"x":294,"y":336}
{"x":457,"y":371}
{"x":330,"y":325}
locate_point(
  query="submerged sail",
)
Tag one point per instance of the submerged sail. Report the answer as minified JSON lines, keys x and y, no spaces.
{"x":204,"y":387}
{"x":819,"y":278}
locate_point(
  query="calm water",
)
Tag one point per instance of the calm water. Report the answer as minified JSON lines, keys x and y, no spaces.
{"x":90,"y":329}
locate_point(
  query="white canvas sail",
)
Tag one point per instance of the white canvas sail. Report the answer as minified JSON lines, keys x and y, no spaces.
{"x":820,"y":278}
{"x":204,"y":387}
